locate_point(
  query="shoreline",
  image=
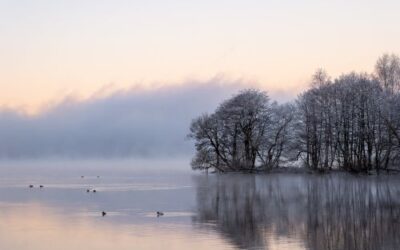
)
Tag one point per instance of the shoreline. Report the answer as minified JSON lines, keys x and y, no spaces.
{"x":302,"y":170}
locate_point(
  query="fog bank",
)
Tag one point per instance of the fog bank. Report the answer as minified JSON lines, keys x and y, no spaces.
{"x":131,"y":123}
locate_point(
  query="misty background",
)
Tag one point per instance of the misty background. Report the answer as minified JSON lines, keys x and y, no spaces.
{"x":124,"y":124}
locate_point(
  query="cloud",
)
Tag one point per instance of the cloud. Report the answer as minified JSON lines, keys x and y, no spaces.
{"x":129,"y":123}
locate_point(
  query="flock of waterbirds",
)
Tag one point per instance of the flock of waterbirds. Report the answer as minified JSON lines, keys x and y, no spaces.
{"x":103,"y":213}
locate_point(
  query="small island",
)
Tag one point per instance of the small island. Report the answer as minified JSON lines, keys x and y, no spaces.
{"x":350,"y":123}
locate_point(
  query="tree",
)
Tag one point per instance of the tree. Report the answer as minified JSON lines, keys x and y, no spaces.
{"x":387,"y":69}
{"x":206,"y":131}
{"x":275,"y":144}
{"x":350,"y":123}
{"x":246,"y":117}
{"x":245,"y":132}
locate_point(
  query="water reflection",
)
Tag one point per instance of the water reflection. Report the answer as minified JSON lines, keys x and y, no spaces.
{"x":353,"y":214}
{"x":44,"y":228}
{"x":277,"y":211}
{"x":303,"y":212}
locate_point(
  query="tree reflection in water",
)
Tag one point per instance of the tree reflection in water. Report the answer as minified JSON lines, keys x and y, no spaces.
{"x":320,"y":212}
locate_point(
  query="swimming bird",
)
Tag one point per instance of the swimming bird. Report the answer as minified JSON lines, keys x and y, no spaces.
{"x":159,"y":213}
{"x":41,"y":186}
{"x":103,"y":213}
{"x":82,"y":176}
{"x":30,"y":186}
{"x":94,"y":191}
{"x":87,"y":190}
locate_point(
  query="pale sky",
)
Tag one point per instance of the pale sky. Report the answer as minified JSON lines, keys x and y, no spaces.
{"x":50,"y":49}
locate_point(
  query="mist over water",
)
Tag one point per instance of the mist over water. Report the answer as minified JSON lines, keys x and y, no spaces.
{"x":317,"y":212}
{"x":227,"y":211}
{"x":132,"y":123}
{"x":124,"y":124}
{"x":205,"y":125}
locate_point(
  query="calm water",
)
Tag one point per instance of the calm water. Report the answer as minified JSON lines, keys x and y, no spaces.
{"x":278,"y":211}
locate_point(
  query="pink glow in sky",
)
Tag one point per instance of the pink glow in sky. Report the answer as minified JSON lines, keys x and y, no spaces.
{"x":50,"y":49}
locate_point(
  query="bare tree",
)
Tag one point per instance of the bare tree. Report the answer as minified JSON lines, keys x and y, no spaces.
{"x":275,"y":144}
{"x":246,"y":132}
{"x":387,"y":69}
{"x":206,"y":131}
{"x":247,"y":116}
{"x":350,"y":123}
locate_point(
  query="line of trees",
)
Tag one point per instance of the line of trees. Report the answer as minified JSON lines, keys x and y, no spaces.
{"x":350,"y":123}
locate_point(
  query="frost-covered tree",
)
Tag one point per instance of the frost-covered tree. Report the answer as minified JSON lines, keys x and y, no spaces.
{"x":387,"y":70}
{"x":246,"y":116}
{"x":275,"y":145}
{"x":350,"y":123}
{"x":245,"y":132}
{"x":207,"y":131}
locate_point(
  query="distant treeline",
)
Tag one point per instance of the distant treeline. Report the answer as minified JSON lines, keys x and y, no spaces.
{"x":350,"y":123}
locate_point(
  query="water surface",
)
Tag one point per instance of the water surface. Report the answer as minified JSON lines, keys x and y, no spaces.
{"x":231,"y":211}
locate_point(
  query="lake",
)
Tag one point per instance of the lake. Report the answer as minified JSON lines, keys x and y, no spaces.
{"x":229,"y":211}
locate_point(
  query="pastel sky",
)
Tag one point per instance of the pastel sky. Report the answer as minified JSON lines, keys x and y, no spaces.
{"x":50,"y":49}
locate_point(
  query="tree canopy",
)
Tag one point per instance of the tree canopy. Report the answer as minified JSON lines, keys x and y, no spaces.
{"x":350,"y":123}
